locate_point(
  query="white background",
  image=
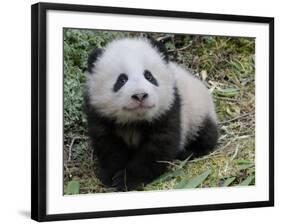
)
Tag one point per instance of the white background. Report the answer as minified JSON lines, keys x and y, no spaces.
{"x":15,"y":110}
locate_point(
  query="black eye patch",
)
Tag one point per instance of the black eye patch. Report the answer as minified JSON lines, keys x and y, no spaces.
{"x":121,"y":80}
{"x":147,"y":74}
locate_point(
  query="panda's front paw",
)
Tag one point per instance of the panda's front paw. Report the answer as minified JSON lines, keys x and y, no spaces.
{"x":123,"y":181}
{"x":105,"y":176}
{"x":119,"y":180}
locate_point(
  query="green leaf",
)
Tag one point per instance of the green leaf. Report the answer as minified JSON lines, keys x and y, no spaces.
{"x":229,"y":92}
{"x":247,"y":181}
{"x":171,"y":174}
{"x":73,"y":187}
{"x":228,"y":181}
{"x":251,"y":170}
{"x":193,"y":182}
{"x":182,"y":164}
{"x":242,"y":161}
{"x":245,"y":166}
{"x":167,"y":176}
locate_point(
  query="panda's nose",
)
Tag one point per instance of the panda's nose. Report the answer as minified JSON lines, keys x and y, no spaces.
{"x":139,"y":96}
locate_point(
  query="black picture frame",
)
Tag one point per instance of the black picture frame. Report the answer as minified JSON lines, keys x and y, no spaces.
{"x":38,"y":108}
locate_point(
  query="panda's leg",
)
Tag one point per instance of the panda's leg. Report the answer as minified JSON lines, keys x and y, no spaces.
{"x":205,"y":141}
{"x":112,"y":155}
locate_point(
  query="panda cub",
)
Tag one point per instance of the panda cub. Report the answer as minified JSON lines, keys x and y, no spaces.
{"x":143,"y":111}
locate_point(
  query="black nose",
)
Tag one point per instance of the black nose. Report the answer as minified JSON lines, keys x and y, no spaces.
{"x":140,"y":96}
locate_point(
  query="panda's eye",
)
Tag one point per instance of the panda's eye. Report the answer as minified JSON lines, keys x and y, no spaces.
{"x":121,"y":80}
{"x":150,"y":78}
{"x":148,"y":75}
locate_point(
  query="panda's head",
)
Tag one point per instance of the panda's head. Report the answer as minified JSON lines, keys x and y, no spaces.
{"x":129,"y":80}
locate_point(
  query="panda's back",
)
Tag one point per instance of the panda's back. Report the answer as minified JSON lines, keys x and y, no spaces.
{"x":196,"y":103}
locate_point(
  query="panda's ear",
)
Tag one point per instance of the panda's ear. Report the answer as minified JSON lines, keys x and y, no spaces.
{"x":160,"y":47}
{"x":93,"y":56}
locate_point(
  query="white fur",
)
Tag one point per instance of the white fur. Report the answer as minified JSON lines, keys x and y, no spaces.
{"x":196,"y":102}
{"x":132,"y":57}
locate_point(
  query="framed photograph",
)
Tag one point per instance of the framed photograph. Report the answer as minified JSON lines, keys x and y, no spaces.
{"x":140,"y":111}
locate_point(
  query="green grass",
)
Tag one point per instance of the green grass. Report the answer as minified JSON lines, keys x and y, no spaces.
{"x":225,"y":64}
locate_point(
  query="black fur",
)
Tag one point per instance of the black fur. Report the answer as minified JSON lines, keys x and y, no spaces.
{"x":121,"y":80}
{"x":93,"y":56}
{"x":126,"y":167}
{"x":205,"y":141}
{"x":161,"y":48}
{"x":147,"y":74}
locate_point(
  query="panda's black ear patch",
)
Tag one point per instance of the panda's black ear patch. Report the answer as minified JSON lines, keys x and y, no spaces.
{"x":160,"y":47}
{"x":93,"y":56}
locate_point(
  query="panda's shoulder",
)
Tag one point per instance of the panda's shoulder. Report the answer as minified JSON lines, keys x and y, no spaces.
{"x":185,"y":80}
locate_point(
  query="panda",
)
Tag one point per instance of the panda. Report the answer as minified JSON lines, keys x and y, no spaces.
{"x":144,"y":110}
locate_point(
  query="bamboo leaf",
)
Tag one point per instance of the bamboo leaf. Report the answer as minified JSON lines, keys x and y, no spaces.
{"x":182,"y":164}
{"x":167,"y":176}
{"x":245,"y":166}
{"x":228,"y":92}
{"x":251,"y":170}
{"x":247,"y":181}
{"x":193,"y":182}
{"x":242,"y":161}
{"x":73,"y":187}
{"x":228,"y":181}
